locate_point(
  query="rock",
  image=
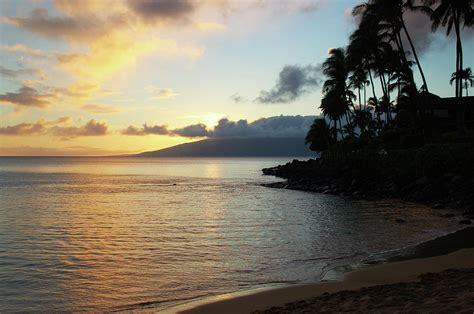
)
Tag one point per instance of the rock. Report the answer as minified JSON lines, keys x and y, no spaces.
{"x":448,"y":215}
{"x":438,"y":206}
{"x":269,"y":171}
{"x":465,"y":221}
{"x":421,"y":181}
{"x":456,"y":179}
{"x":276,"y":185}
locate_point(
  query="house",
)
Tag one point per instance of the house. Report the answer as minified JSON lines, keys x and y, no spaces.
{"x":440,"y":115}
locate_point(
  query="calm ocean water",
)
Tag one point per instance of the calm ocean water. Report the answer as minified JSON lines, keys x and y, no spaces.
{"x":85,"y":234}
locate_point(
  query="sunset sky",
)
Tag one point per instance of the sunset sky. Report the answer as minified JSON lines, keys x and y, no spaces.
{"x":109,"y":76}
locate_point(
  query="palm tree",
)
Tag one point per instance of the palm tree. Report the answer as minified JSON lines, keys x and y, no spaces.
{"x":367,"y":47}
{"x":464,"y":75}
{"x":319,"y":136}
{"x":390,"y":15}
{"x":449,"y":14}
{"x":336,"y":95}
{"x":457,"y":14}
{"x":358,"y":80}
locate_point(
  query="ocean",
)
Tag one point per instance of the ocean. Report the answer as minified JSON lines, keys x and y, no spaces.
{"x":111,"y":234}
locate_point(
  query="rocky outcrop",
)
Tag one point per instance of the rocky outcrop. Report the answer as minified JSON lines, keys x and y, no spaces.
{"x":446,"y":190}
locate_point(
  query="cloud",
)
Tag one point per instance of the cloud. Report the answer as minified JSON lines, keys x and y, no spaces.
{"x":39,"y":127}
{"x":293,"y":81}
{"x":274,"y":7}
{"x":91,"y":128}
{"x":57,"y":128}
{"x":106,"y":36}
{"x":164,"y":94}
{"x":66,"y":151}
{"x":99,"y":109}
{"x":69,"y":28}
{"x":23,"y":49}
{"x":27,"y":97}
{"x":419,"y":27}
{"x":237,"y":98}
{"x":9,"y":73}
{"x":146,"y":130}
{"x":195,"y":130}
{"x":159,"y":10}
{"x":278,"y":126}
{"x":23,"y":129}
{"x":106,"y":56}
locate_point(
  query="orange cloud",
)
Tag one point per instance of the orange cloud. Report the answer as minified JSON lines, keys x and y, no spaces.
{"x":57,"y":128}
{"x":23,"y":129}
{"x":27,"y":97}
{"x":39,"y":127}
{"x":91,"y":128}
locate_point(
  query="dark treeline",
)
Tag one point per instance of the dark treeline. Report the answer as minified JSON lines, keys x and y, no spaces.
{"x":370,"y":87}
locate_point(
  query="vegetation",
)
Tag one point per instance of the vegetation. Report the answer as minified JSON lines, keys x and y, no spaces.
{"x":377,"y":59}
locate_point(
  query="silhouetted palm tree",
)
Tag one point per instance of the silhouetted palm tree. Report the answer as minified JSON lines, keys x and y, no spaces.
{"x":390,"y":16}
{"x":449,"y":14}
{"x":367,"y":48}
{"x":319,"y":136}
{"x":464,"y":75}
{"x":336,"y":96}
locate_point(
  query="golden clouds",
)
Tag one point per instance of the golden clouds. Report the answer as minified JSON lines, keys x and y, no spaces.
{"x":31,"y":128}
{"x":106,"y":56}
{"x":91,"y":128}
{"x":27,"y":97}
{"x":23,"y":129}
{"x":57,"y":128}
{"x":105,"y":37}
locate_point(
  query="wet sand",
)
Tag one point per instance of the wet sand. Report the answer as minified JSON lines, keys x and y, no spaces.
{"x":398,"y":286}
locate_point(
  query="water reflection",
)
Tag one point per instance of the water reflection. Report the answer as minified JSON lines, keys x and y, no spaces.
{"x":101,"y":234}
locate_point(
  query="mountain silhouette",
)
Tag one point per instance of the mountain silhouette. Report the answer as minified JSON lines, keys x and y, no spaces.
{"x":236,"y":147}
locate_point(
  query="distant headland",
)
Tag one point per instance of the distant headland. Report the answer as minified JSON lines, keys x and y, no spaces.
{"x":236,"y":147}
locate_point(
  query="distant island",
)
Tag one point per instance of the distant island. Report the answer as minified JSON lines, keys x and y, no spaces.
{"x":236,"y":147}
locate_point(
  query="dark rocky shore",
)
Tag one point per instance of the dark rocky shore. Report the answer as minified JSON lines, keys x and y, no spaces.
{"x":382,"y":177}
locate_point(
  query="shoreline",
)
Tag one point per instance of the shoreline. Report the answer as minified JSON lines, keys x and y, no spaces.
{"x":380,"y":275}
{"x":404,"y":267}
{"x":448,"y":191}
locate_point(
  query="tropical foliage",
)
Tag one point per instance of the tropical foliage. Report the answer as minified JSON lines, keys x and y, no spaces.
{"x":370,"y":86}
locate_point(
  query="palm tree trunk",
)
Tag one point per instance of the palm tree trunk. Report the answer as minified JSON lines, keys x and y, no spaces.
{"x":360,"y":100}
{"x":365,"y":98}
{"x":375,"y":97}
{"x":372,"y":84}
{"x":459,"y":66}
{"x":414,"y":54}
{"x":340,"y":129}
{"x":384,"y":89}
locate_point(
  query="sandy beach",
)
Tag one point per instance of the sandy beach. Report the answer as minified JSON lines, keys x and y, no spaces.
{"x":434,"y":284}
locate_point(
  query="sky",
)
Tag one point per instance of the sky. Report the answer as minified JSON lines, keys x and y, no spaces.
{"x":102,"y":77}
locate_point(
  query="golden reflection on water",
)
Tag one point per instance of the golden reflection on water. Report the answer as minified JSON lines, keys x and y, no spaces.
{"x":101,"y":234}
